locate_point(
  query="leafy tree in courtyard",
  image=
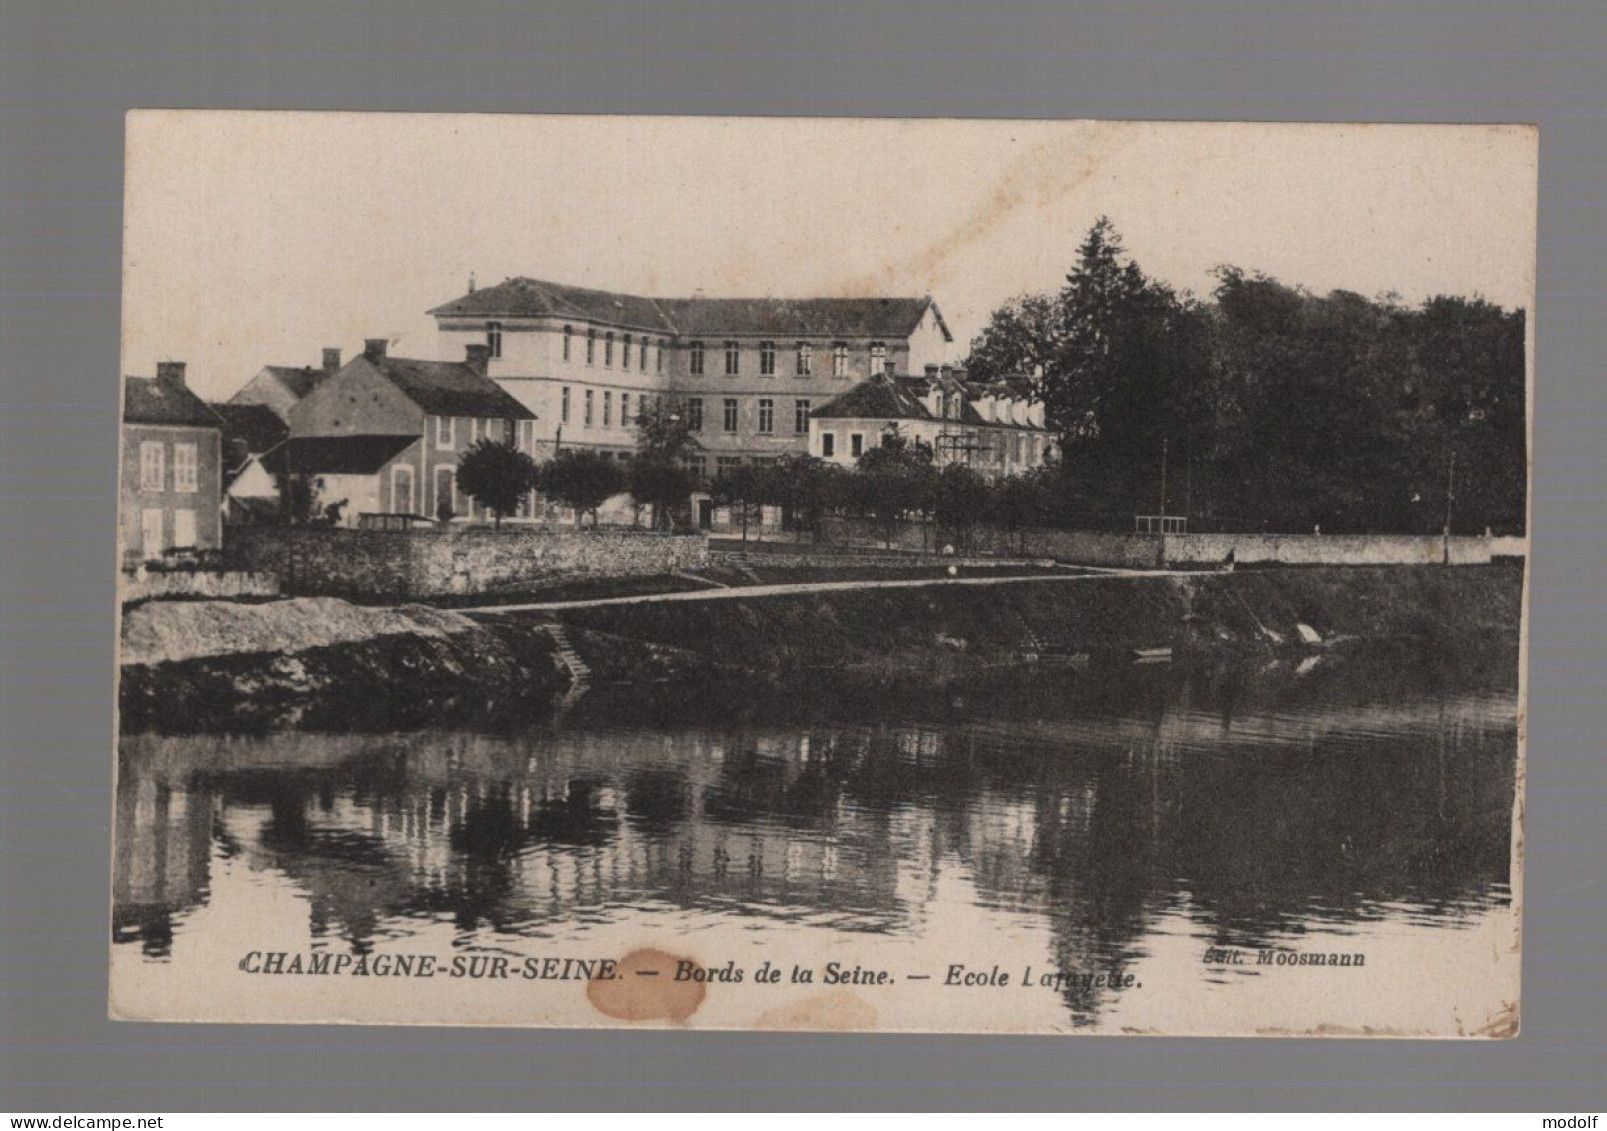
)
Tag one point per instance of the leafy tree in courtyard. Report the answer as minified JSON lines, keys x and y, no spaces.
{"x":665,"y":485}
{"x":582,"y":480}
{"x":658,"y":475}
{"x":894,"y":479}
{"x":496,"y":475}
{"x":742,"y":489}
{"x":805,"y":488}
{"x":663,"y":430}
{"x":1019,"y":502}
{"x":959,"y":501}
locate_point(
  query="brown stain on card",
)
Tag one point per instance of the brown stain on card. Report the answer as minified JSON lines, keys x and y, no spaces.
{"x":1037,"y":180}
{"x":836,"y":1010}
{"x":1503,"y":1025}
{"x":644,"y":988}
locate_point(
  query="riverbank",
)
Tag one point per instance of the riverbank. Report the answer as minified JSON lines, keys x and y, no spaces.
{"x":201,"y":665}
{"x":938,"y":630}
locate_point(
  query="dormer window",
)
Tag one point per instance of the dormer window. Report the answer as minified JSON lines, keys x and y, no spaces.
{"x":493,"y":338}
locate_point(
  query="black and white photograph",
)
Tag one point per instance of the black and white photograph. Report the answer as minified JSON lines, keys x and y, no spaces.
{"x":963,"y":576}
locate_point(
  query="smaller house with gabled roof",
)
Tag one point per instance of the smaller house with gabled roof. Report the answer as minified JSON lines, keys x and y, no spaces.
{"x":170,"y":481}
{"x":996,"y":428}
{"x":384,"y":435}
{"x":279,"y":388}
{"x":250,"y":432}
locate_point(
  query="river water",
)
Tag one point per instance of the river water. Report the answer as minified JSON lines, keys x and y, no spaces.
{"x":1113,"y":818}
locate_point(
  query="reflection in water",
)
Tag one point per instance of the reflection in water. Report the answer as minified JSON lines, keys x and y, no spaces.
{"x":1095,"y":806}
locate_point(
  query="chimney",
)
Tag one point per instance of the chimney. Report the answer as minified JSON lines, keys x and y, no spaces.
{"x":170,"y":373}
{"x":477,"y":357}
{"x":331,"y":361}
{"x":374,"y":348}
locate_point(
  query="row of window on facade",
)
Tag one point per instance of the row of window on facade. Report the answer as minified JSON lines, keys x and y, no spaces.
{"x":803,"y":358}
{"x":633,"y":349}
{"x":699,"y":465}
{"x":644,"y":403}
{"x":476,"y":429}
{"x":803,"y":353}
{"x":153,"y":467}
{"x":764,"y":412}
{"x":986,"y":449}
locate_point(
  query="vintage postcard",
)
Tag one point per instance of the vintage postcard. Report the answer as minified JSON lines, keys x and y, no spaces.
{"x":958,"y":576}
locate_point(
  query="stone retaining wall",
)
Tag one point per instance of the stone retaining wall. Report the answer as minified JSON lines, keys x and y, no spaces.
{"x":1128,"y":551}
{"x":438,"y":562}
{"x":1148,"y":551}
{"x":224,"y":584}
{"x":1325,"y":549}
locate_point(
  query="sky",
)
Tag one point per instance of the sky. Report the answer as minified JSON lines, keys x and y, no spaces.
{"x":260,"y":238}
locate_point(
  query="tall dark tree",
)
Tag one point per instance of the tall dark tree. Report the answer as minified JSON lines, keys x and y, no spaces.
{"x":1468,"y":356}
{"x":1355,"y":415}
{"x":1130,"y":361}
{"x":1020,"y":338}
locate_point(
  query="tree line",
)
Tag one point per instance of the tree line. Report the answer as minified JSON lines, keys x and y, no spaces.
{"x":1268,"y":407}
{"x":893,"y":482}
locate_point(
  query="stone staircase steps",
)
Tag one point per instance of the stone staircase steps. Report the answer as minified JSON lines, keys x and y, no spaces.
{"x":579,"y":670}
{"x":739,"y":561}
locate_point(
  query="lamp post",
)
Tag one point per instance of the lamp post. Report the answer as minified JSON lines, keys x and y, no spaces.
{"x":1450,"y":497}
{"x":1163,"y":486}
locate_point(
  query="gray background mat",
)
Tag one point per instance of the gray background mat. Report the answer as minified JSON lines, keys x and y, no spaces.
{"x":70,"y":71}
